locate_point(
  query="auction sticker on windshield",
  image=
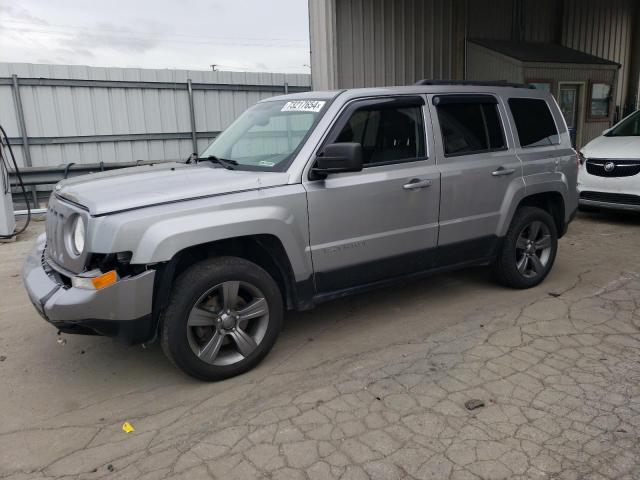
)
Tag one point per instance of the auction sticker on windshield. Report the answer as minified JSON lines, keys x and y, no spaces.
{"x":303,"y":106}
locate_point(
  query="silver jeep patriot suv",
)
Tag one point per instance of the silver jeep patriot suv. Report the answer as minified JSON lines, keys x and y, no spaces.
{"x":306,"y":198}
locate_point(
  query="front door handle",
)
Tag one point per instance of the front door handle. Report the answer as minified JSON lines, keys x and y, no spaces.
{"x":503,"y":171}
{"x":417,"y":183}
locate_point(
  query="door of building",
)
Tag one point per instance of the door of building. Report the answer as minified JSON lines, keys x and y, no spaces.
{"x":569,"y":101}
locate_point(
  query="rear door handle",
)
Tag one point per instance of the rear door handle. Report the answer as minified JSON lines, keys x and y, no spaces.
{"x":503,"y":171}
{"x":417,"y":183}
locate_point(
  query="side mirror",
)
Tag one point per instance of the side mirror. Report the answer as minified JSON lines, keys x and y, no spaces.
{"x":338,"y":158}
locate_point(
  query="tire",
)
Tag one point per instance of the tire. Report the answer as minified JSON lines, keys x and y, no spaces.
{"x":215,"y":325}
{"x":511,"y":268}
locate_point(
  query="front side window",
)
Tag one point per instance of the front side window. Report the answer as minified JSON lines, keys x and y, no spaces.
{"x":469,"y":127}
{"x":267,"y":135}
{"x":629,"y":127}
{"x":534,"y":122}
{"x":387,"y":133}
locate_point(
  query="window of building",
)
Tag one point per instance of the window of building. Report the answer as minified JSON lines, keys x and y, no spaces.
{"x":534,"y":122}
{"x":469,"y":127}
{"x":600,"y":100}
{"x":387,"y":133}
{"x":544,"y":85}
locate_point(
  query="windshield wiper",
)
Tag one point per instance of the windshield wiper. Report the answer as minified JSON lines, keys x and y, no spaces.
{"x":226,"y":163}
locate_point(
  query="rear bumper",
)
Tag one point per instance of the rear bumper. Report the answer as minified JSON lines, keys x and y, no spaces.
{"x":121,"y":310}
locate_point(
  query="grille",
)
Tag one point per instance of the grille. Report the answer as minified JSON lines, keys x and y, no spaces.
{"x":55,"y":233}
{"x":61,"y":280}
{"x":621,"y":168}
{"x":620,"y":198}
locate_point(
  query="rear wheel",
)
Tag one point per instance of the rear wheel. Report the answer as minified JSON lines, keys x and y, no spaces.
{"x":529,"y":249}
{"x":223,"y":317}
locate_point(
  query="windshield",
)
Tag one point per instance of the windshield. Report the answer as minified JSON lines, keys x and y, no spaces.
{"x":268,"y":135}
{"x":629,"y":127}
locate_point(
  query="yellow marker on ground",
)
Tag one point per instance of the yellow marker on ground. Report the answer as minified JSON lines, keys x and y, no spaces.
{"x":127,"y":427}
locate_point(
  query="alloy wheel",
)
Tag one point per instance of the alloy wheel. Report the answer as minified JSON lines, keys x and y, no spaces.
{"x":227,"y":323}
{"x":533,"y":249}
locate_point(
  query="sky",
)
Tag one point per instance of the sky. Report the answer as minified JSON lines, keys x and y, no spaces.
{"x":238,"y":35}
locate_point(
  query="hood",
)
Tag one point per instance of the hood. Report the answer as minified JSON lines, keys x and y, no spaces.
{"x":135,"y":187}
{"x":612,"y":147}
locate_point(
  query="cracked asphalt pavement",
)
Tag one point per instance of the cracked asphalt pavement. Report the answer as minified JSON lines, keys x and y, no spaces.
{"x":372,"y":386}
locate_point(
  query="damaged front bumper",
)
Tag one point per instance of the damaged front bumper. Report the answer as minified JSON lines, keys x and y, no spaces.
{"x":122,"y":310}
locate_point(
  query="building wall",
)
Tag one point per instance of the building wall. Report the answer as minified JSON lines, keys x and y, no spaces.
{"x":483,"y":63}
{"x":526,"y":20}
{"x":583,"y":74}
{"x":634,"y":68}
{"x":322,"y":27}
{"x":63,"y":120}
{"x":604,"y":29}
{"x":385,"y":42}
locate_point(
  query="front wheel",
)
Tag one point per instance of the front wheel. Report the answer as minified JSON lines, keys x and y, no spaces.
{"x":528,"y":250}
{"x":223,"y":316}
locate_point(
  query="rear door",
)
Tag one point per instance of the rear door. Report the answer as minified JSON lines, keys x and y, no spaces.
{"x":380,"y":222}
{"x":543,"y":145}
{"x":478,"y":164}
{"x":537,"y":136}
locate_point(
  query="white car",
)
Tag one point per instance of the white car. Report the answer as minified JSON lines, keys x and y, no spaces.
{"x":609,"y":175}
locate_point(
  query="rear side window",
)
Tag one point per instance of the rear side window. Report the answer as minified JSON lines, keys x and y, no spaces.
{"x":469,"y":126}
{"x":534,"y":122}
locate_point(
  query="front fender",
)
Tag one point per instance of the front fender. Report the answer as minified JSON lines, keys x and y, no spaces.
{"x":156,"y":234}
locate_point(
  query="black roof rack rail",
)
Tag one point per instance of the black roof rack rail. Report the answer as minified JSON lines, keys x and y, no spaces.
{"x":494,"y":83}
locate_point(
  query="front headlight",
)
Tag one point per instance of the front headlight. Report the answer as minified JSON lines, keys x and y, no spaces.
{"x":78,"y":236}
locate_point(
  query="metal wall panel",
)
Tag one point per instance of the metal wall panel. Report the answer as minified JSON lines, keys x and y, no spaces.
{"x":387,"y":42}
{"x":603,"y":29}
{"x":634,"y":67}
{"x":322,"y":21}
{"x":491,"y":19}
{"x":543,"y":20}
{"x":57,"y":111}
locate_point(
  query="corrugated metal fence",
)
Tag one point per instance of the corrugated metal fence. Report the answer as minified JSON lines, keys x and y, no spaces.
{"x":61,"y":114}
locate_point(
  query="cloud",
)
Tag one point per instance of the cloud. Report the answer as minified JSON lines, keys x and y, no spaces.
{"x":106,"y":35}
{"x":243,"y":35}
{"x":21,"y":14}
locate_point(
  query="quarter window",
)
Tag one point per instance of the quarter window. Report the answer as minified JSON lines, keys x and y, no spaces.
{"x":387,"y":133}
{"x":534,"y":122}
{"x":469,"y":127}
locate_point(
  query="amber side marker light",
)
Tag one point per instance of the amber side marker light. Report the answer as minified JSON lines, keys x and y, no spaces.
{"x":95,"y":280}
{"x":105,"y":280}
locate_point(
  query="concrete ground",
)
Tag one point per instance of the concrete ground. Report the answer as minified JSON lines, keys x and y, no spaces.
{"x":372,"y":386}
